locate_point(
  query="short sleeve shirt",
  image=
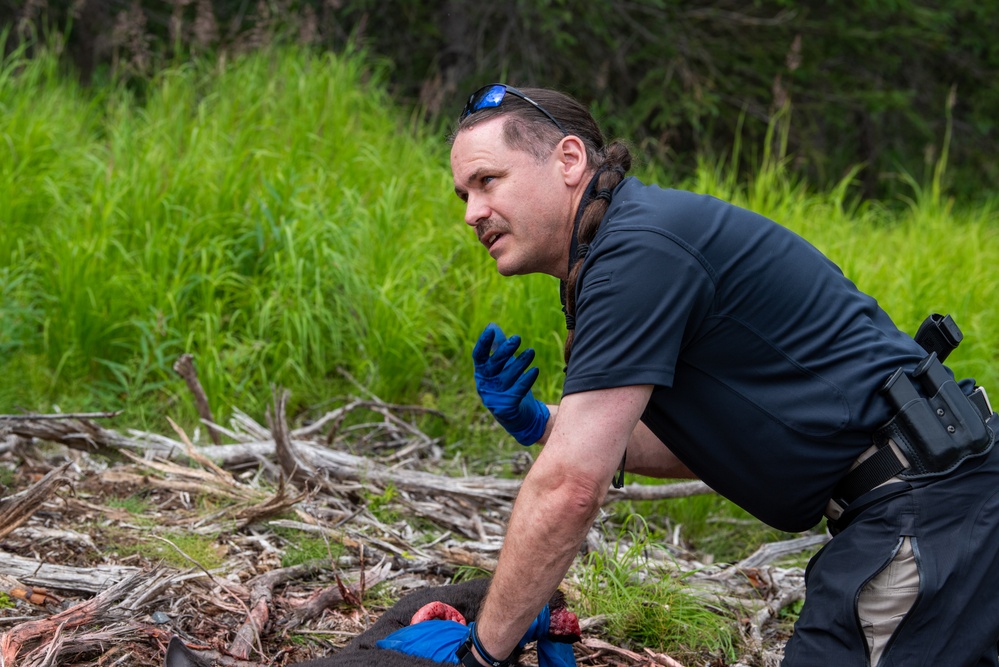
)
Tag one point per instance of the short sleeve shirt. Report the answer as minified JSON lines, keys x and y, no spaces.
{"x":765,"y":359}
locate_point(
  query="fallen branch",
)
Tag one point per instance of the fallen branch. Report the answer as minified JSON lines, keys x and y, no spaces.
{"x":17,"y":509}
{"x":293,"y":466}
{"x":184,"y":367}
{"x":60,"y":415}
{"x":37,"y":596}
{"x":63,"y":577}
{"x":771,"y":610}
{"x":261,"y":591}
{"x":658,"y":491}
{"x":73,"y":431}
{"x":91,"y":611}
{"x":771,"y":551}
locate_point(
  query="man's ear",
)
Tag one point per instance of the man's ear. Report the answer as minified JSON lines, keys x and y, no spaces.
{"x":573,"y":160}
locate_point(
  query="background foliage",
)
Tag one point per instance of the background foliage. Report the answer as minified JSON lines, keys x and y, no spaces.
{"x":276,"y":215}
{"x":870,"y":82}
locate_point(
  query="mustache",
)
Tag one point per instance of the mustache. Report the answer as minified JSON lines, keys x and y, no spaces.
{"x":485,"y":228}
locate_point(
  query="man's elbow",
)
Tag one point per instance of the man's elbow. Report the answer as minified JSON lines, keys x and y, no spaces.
{"x":576,"y":495}
{"x":585,"y":501}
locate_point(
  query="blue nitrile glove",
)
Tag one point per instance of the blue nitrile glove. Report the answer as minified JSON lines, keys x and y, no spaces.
{"x":505,"y":387}
{"x":434,"y":640}
{"x":555,"y":654}
{"x":440,"y":640}
{"x":550,"y":653}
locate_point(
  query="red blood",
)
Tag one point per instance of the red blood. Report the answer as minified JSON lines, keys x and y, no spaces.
{"x":439,"y":611}
{"x":564,"y":625}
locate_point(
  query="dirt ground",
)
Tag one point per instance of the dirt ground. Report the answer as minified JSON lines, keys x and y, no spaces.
{"x":273,"y":546}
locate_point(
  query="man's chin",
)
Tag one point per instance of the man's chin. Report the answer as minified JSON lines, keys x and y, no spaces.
{"x":508,"y":265}
{"x":509,"y":269}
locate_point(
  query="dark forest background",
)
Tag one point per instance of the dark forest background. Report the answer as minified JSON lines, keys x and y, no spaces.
{"x":891,"y":85}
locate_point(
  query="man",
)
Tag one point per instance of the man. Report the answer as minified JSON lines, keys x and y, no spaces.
{"x":705,"y":340}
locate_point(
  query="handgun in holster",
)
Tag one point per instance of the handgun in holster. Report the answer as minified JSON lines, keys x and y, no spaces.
{"x":936,"y":425}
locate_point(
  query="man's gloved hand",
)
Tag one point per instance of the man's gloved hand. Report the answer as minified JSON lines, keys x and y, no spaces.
{"x":435,"y":640}
{"x":440,"y":640}
{"x":552,"y":651}
{"x":505,"y":387}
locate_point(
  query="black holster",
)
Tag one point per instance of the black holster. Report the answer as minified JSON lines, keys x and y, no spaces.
{"x":936,"y":433}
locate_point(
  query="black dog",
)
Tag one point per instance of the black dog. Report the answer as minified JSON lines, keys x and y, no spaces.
{"x":362,"y":651}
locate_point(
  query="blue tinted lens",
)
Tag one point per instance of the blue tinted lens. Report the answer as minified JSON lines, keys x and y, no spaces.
{"x":492,"y":97}
{"x":486,"y":97}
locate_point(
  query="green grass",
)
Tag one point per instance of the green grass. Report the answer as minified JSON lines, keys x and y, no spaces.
{"x":272,"y":216}
{"x":134,"y":504}
{"x":276,"y":216}
{"x":707,"y":524}
{"x":184,"y":551}
{"x":646,"y":606}
{"x":301,"y":547}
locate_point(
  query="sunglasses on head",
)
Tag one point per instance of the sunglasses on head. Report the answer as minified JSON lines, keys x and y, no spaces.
{"x":491,"y":96}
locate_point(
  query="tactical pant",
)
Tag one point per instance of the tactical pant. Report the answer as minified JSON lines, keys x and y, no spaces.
{"x":951,"y":526}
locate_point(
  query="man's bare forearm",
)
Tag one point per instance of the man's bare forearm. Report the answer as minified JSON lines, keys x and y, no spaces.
{"x":555,"y":508}
{"x":547,"y":527}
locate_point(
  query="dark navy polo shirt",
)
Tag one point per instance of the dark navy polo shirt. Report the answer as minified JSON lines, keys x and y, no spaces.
{"x":765,"y":358}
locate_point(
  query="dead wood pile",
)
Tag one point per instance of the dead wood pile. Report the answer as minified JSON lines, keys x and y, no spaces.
{"x":390,"y":509}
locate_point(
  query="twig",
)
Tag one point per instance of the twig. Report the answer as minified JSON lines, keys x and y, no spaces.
{"x":650,"y":658}
{"x":292,"y":465}
{"x":184,"y":367}
{"x":203,"y":460}
{"x":60,"y":415}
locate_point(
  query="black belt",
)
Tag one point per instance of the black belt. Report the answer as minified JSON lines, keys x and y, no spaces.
{"x":886,"y":463}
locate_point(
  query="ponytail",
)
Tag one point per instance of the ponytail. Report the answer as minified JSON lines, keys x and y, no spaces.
{"x":617,"y":161}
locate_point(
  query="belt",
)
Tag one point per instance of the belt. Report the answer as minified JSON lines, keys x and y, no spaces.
{"x":878,"y":466}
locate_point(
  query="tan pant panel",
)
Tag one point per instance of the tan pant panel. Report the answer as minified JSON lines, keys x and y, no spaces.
{"x":887,"y":598}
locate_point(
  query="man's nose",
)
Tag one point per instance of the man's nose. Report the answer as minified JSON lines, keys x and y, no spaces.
{"x":476,"y":211}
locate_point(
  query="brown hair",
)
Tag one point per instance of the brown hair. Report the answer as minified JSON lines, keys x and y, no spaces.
{"x":531,"y":131}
